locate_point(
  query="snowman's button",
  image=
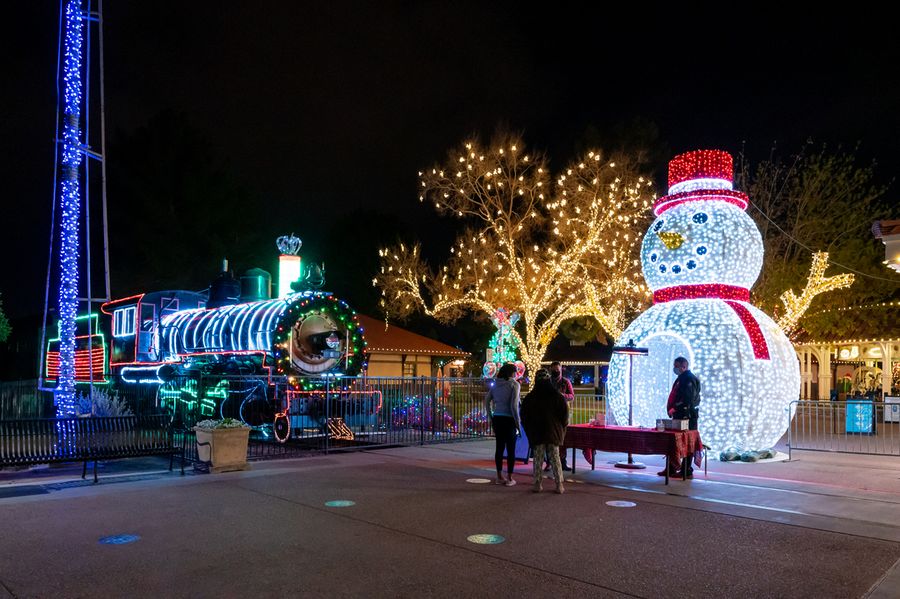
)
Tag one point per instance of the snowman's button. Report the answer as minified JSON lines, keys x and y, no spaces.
{"x":701,"y":250}
{"x":653,"y":257}
{"x":676,"y":268}
{"x":691,"y":265}
{"x":662,"y":268}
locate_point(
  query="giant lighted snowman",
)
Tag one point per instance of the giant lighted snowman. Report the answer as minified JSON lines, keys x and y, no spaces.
{"x":700,"y":257}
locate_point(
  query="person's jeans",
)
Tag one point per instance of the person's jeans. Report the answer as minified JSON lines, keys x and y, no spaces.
{"x":505,"y":435}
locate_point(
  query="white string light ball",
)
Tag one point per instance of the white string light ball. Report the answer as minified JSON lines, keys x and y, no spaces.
{"x":700,"y":257}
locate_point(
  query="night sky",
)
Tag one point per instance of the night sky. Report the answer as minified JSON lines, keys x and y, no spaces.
{"x":321,"y":109}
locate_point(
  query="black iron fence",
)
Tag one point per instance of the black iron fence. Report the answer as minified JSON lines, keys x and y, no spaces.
{"x":24,"y":399}
{"x":869,"y":427}
{"x":291,"y":417}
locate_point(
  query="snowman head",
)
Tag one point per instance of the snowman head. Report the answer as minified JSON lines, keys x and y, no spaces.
{"x":701,"y":234}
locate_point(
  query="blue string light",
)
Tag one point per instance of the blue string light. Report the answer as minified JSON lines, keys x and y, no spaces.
{"x":70,"y":205}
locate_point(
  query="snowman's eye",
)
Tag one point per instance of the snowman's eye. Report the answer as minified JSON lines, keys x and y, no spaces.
{"x":658,"y":225}
{"x":691,"y":265}
{"x":653,"y":257}
{"x":676,"y":268}
{"x":701,"y":250}
{"x":662,"y":268}
{"x":700,"y":218}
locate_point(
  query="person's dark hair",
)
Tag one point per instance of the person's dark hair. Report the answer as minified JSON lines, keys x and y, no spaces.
{"x":506,"y":371}
{"x":552,"y":364}
{"x":681,"y":361}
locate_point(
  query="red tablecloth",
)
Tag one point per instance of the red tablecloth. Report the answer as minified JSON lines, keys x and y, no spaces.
{"x":622,"y":439}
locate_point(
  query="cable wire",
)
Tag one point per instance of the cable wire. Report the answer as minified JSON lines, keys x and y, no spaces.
{"x":809,"y":249}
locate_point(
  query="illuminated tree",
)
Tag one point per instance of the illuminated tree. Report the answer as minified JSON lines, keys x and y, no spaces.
{"x":813,"y":210}
{"x":5,"y":329}
{"x":549,"y":248}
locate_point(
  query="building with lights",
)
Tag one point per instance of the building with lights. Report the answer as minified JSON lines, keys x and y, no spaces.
{"x":393,"y":352}
{"x":585,"y":364}
{"x":888,"y":231}
{"x":861,"y":353}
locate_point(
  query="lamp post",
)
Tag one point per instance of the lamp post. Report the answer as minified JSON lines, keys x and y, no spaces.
{"x":630,"y":350}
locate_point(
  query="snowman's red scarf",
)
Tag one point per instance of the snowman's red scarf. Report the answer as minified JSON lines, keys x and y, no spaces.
{"x":732,"y":296}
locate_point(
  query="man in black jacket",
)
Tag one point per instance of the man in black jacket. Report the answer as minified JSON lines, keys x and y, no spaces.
{"x":684,"y":399}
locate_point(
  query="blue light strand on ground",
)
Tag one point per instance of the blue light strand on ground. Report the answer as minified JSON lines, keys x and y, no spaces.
{"x":70,"y":204}
{"x":486,"y":539}
{"x":119,"y":539}
{"x":339,"y":503}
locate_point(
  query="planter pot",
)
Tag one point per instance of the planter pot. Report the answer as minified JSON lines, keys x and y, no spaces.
{"x":227,"y":449}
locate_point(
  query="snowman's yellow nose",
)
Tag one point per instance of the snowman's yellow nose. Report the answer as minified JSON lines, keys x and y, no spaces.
{"x":672,"y":240}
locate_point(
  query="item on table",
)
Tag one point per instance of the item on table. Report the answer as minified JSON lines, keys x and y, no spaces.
{"x":672,"y":424}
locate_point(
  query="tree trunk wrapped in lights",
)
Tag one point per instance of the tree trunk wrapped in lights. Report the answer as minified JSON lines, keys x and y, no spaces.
{"x":548,"y":248}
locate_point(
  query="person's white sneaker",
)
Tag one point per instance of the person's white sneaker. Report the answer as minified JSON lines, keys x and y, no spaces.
{"x":510,"y":483}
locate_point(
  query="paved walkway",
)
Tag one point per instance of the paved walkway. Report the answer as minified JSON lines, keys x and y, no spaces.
{"x":820,"y":526}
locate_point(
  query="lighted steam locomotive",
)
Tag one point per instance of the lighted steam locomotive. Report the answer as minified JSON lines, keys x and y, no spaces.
{"x":176,"y":339}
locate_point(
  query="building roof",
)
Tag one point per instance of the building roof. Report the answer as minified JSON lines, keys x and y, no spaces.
{"x":391,"y":339}
{"x":853,"y":325}
{"x":886,"y":228}
{"x":562,"y":351}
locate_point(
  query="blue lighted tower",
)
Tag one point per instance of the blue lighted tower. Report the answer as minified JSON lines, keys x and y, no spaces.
{"x":69,"y":201}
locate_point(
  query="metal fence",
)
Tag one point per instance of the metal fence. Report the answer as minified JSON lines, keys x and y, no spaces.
{"x":24,"y":399}
{"x":588,"y":407}
{"x":866,"y":427}
{"x":296,"y":417}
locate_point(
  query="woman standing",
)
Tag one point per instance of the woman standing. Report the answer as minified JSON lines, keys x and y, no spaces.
{"x":545,"y":416}
{"x":503,"y":408}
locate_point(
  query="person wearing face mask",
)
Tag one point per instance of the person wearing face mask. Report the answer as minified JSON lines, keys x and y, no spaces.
{"x":684,"y":399}
{"x":564,"y":386}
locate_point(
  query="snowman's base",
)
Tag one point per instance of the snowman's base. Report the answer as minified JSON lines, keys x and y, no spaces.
{"x":778,"y":457}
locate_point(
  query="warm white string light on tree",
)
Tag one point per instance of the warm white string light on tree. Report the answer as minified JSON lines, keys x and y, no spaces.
{"x":817,"y":283}
{"x":548,"y":249}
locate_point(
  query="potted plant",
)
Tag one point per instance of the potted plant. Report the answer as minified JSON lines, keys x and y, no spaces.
{"x":223,"y":444}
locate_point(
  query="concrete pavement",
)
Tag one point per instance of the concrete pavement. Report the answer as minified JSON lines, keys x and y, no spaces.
{"x":814,"y":527}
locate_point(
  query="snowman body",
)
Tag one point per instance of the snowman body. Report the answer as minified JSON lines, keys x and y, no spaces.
{"x":700,"y":257}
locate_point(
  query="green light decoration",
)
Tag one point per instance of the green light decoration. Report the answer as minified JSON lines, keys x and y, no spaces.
{"x":187,"y":393}
{"x":503,"y":346}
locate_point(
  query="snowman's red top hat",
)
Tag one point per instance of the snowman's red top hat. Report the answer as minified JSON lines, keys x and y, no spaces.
{"x":698,"y":176}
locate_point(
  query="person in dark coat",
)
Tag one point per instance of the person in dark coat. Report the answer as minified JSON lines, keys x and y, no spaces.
{"x":683,"y":404}
{"x":545,"y":415}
